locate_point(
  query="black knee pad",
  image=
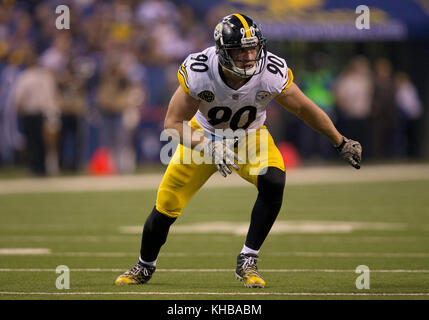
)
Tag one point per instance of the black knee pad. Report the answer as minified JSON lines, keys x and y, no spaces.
{"x":272,"y":183}
{"x":157,"y":220}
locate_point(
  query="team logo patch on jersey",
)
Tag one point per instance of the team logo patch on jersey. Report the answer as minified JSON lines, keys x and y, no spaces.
{"x":206,"y":95}
{"x":261,"y":95}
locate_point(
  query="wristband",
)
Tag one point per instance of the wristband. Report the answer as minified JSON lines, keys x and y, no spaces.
{"x":340,"y":147}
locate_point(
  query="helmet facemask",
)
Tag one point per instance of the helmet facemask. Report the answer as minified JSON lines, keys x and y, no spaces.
{"x":243,"y":72}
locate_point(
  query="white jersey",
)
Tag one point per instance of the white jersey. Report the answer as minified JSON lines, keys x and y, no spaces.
{"x":222,"y":107}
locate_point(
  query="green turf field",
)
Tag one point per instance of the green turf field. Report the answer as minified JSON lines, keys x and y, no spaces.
{"x":322,"y":234}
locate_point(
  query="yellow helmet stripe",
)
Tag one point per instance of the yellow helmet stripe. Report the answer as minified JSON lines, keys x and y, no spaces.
{"x":244,"y":23}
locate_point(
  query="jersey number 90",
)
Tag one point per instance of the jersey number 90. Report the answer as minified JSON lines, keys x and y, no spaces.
{"x":221,"y":114}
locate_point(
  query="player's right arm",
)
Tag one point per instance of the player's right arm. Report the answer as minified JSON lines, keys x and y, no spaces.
{"x":181,"y":109}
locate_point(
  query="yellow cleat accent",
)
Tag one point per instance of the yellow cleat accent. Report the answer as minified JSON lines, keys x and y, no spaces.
{"x":139,"y":274}
{"x":248,"y":272}
{"x":254,"y":282}
{"x":124,"y":280}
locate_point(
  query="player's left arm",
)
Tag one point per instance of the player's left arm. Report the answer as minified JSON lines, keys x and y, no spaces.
{"x":295,"y":101}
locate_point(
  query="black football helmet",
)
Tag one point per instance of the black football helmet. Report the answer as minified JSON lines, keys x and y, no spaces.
{"x":237,"y":31}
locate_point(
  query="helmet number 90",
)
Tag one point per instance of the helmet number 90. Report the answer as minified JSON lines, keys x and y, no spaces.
{"x":273,"y":67}
{"x":199,"y":66}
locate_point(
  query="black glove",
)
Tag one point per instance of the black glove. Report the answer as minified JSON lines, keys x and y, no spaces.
{"x":351,"y":151}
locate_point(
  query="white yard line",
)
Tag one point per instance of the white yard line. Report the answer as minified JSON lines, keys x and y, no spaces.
{"x":218,"y":270}
{"x":333,"y":237}
{"x":354,"y":254}
{"x":279,"y":227}
{"x":24,"y":251}
{"x":71,"y":238}
{"x":413,"y":294}
{"x":221,"y":254}
{"x":312,"y":175}
{"x":45,"y":251}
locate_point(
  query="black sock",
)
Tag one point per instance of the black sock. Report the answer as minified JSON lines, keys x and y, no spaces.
{"x":154,"y":235}
{"x":267,"y":206}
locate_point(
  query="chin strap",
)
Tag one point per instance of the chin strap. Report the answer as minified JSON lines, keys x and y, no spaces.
{"x":242,"y":72}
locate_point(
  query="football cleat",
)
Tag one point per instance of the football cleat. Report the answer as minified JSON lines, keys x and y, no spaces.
{"x":248,"y":272}
{"x":139,"y":274}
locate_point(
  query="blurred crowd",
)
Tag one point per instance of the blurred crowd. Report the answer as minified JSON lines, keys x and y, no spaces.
{"x":103,"y":84}
{"x":368,"y":101}
{"x":70,"y":96}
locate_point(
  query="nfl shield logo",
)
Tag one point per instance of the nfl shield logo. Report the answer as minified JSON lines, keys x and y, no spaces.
{"x":235,"y":96}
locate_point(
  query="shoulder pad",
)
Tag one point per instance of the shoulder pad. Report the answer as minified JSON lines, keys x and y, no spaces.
{"x":277,"y":74}
{"x":194,"y":73}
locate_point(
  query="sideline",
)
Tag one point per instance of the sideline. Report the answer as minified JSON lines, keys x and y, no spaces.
{"x":382,"y":294}
{"x":296,"y":176}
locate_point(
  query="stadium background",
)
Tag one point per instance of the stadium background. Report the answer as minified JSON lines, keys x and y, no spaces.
{"x":114,"y":71}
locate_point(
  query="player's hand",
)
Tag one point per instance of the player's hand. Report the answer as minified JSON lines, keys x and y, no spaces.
{"x":223,"y":155}
{"x":351,"y":151}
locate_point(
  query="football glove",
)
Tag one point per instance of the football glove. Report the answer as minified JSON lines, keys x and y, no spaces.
{"x":222,"y":153}
{"x":351,"y":151}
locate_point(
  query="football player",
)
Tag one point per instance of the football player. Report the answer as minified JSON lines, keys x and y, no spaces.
{"x":228,"y":86}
